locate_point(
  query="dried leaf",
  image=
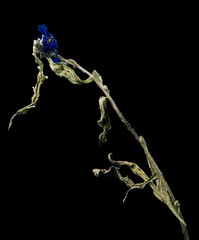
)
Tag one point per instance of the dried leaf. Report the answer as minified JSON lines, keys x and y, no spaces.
{"x":40,"y":79}
{"x":63,"y":70}
{"x":104,"y":121}
{"x":101,"y":172}
{"x":114,"y":171}
{"x":163,"y":189}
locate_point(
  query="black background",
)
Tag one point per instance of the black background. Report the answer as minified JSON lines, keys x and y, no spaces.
{"x":145,"y":55}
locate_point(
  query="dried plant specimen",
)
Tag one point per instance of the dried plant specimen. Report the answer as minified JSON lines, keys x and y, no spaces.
{"x":46,"y":47}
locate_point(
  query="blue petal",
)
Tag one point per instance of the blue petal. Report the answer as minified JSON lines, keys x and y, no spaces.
{"x":43,"y":29}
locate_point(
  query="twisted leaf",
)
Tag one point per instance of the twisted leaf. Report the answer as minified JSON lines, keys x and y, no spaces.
{"x":104,"y":121}
{"x":36,"y":90}
{"x":63,"y":70}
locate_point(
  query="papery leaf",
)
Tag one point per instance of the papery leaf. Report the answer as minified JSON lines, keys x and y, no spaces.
{"x":133,"y":167}
{"x":104,"y":121}
{"x":63,"y":70}
{"x":36,"y":89}
{"x":160,"y":192}
{"x":97,"y":76}
{"x":114,"y":171}
{"x":163,"y":188}
{"x":101,"y":172}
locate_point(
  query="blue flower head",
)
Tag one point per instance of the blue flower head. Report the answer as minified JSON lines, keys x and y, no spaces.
{"x":49,"y":45}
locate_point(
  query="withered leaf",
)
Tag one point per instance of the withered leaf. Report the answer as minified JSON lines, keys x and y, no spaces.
{"x":104,"y":121}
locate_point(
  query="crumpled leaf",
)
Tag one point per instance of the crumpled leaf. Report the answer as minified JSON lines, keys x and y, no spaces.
{"x":114,"y":171}
{"x":36,"y":89}
{"x":104,"y":121}
{"x":63,"y":70}
{"x":163,"y":192}
{"x":160,"y":191}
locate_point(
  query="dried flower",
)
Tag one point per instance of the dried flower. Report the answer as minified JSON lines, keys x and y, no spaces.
{"x":47,"y":44}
